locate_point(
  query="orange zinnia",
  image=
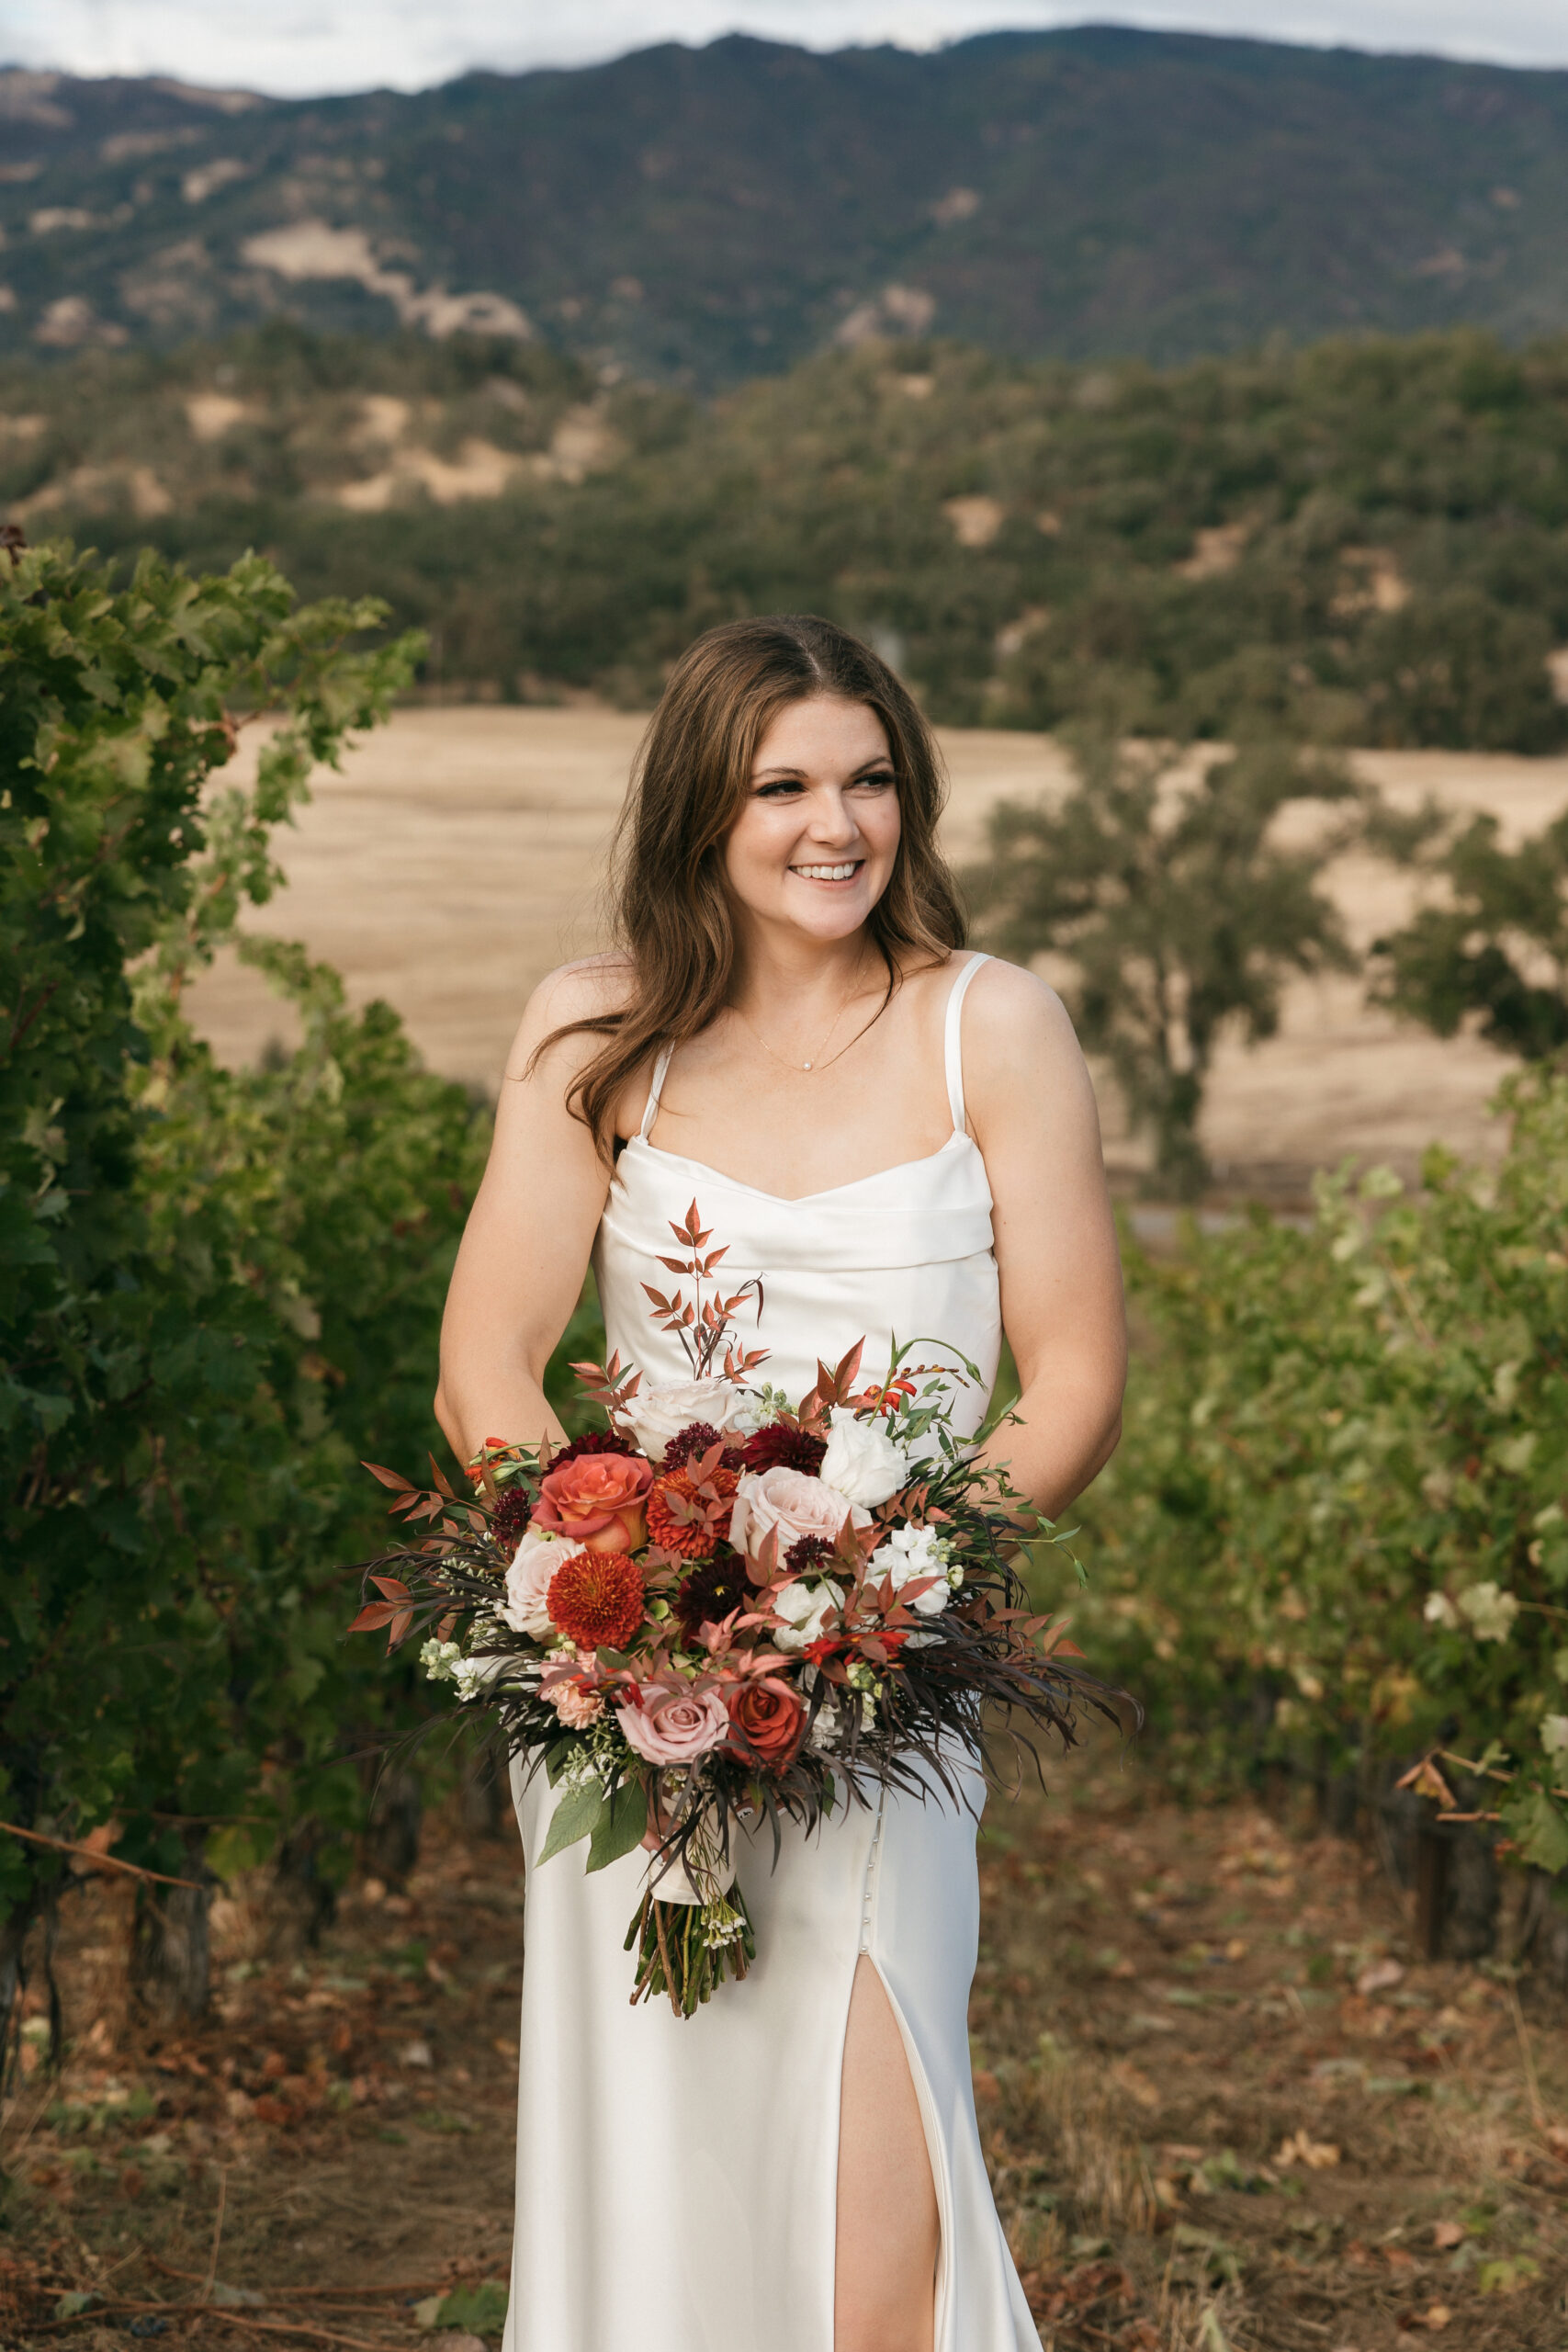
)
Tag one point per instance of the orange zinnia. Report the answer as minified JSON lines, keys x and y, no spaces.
{"x":596,"y":1598}
{"x":693,"y":1537}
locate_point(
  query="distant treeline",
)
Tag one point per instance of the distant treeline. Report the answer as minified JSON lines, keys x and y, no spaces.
{"x":1364,"y":541}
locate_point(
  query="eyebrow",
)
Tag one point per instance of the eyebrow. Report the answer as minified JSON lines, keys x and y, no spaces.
{"x":780,"y":775}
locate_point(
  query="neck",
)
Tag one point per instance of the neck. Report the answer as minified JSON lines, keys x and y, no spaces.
{"x":778,"y":976}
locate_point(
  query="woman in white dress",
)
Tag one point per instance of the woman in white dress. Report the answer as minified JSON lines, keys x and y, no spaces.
{"x":897,"y":1138}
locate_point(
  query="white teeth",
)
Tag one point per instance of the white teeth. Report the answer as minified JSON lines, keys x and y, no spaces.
{"x":827,"y":873}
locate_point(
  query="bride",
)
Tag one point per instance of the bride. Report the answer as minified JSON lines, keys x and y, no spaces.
{"x":896,"y":1137}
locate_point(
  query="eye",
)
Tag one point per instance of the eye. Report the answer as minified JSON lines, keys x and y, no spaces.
{"x":884,"y":780}
{"x":783,"y":790}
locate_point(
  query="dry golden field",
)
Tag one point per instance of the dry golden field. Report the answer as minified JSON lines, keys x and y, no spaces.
{"x":460,"y":852}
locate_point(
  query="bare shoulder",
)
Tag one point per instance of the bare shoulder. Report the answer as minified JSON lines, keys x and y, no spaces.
{"x":585,"y":990}
{"x":1014,"y":1020}
{"x":1025,"y":1081}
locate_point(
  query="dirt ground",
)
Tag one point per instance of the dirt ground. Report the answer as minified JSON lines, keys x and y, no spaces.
{"x":460,"y":853}
{"x":1224,"y":2108}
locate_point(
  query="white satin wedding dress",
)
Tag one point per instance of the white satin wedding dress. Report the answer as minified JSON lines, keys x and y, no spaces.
{"x":677,"y":2179}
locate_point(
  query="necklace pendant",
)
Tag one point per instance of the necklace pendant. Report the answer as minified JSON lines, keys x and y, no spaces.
{"x":806,"y":1065}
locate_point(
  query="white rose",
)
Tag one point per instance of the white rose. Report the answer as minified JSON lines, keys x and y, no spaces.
{"x":862,"y":1461}
{"x":533,"y":1564}
{"x":912,"y":1551}
{"x":1490,"y":1610}
{"x":655,"y":1415}
{"x":1554,"y":1734}
{"x":806,"y":1609}
{"x":788,"y":1504}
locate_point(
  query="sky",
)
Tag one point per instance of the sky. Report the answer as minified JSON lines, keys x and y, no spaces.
{"x":301,"y":48}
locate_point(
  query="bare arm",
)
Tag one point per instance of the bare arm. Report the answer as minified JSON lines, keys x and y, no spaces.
{"x":1031,"y":1111}
{"x":528,"y":1237}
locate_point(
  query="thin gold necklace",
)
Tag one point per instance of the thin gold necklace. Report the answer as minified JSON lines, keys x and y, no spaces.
{"x":816,"y":1062}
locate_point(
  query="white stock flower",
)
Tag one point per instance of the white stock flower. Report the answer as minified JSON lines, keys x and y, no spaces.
{"x":655,"y":1415}
{"x":441,"y":1660}
{"x":804,"y":1609}
{"x":1490,"y":1609}
{"x":824,"y":1733}
{"x":861,"y":1462}
{"x":534,"y":1564}
{"x":473,"y":1675}
{"x":1554,"y":1734}
{"x":912,"y":1552}
{"x":1439,"y":1610}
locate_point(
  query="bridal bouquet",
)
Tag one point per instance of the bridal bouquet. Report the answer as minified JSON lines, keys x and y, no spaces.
{"x":723,"y":1609}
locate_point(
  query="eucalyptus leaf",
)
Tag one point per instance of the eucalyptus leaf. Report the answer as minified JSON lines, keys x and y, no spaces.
{"x":620,"y":1826}
{"x":575,"y":1816}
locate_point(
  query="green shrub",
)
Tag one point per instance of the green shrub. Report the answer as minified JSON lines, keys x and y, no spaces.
{"x":1341,"y":1502}
{"x":218,"y":1287}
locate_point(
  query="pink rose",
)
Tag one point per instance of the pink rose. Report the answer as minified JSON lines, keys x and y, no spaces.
{"x":535,"y":1562}
{"x":600,"y":1499}
{"x":675,"y":1727}
{"x":792,"y":1504}
{"x":577,"y":1707}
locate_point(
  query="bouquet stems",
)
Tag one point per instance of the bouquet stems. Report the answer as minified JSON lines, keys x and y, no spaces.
{"x":688,"y":1950}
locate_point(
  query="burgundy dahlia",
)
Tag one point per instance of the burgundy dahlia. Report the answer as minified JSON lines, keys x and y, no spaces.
{"x":710,"y":1592}
{"x":784,"y":1446}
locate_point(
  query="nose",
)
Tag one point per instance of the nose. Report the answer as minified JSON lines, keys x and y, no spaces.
{"x":832,"y":821}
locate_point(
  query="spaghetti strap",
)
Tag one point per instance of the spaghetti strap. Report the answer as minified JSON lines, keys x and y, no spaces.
{"x":953,"y":1041}
{"x":650,"y":1109}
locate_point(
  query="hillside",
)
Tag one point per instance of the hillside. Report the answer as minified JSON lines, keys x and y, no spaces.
{"x":1366,"y":541}
{"x":701,"y":216}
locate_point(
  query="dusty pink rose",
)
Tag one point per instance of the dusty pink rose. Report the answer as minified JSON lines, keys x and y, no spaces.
{"x":673,"y":1727}
{"x":792,"y":1504}
{"x":600,"y":1498}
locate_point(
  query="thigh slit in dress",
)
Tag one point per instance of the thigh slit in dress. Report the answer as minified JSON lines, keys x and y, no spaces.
{"x":677,"y":2179}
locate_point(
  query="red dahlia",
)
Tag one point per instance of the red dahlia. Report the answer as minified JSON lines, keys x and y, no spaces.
{"x":783,"y":1445}
{"x":693,"y":1538}
{"x":596,"y":1598}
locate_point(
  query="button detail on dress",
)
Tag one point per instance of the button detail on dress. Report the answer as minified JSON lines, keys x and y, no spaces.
{"x":868,"y":1896}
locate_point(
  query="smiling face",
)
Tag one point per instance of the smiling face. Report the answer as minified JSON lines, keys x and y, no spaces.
{"x":812,"y":850}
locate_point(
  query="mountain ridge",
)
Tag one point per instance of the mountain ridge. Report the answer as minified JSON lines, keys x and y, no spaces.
{"x":698,"y":216}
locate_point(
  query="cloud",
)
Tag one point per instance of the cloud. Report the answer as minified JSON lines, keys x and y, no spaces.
{"x":300,"y":48}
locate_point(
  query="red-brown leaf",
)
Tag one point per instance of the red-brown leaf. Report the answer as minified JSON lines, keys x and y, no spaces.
{"x":387,"y":1477}
{"x":373,"y":1616}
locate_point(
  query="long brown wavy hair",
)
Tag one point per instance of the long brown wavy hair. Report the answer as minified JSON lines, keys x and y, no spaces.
{"x":673,"y":917}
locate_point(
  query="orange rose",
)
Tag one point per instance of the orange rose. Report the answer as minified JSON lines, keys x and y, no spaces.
{"x":766,"y":1720}
{"x":600,"y":1498}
